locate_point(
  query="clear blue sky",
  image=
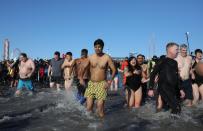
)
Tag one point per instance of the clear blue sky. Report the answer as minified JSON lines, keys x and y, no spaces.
{"x":40,"y":27}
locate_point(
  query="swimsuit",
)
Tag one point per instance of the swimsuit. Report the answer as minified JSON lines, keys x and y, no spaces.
{"x":96,"y":90}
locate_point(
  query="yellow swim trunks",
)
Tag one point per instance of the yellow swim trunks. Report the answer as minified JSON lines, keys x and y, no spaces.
{"x":96,"y":90}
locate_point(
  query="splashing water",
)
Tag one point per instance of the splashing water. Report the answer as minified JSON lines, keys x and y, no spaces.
{"x":51,"y":110}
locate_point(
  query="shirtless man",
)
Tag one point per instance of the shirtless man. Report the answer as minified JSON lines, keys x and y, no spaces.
{"x":97,"y":86}
{"x":79,"y":67}
{"x":140,"y":60}
{"x":66,"y":66}
{"x":26,"y":69}
{"x":197,"y":80}
{"x":184,"y":66}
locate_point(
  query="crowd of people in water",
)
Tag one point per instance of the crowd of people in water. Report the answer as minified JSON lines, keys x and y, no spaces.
{"x":173,"y":79}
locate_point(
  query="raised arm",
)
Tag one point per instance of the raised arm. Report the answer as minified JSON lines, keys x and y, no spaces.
{"x":63,"y":65}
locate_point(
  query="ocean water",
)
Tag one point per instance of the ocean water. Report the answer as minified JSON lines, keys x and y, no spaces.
{"x":49,"y":110}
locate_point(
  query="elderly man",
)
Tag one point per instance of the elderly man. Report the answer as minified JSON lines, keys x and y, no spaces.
{"x":184,"y":66}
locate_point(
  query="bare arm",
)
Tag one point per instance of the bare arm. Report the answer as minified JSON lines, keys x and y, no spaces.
{"x":120,"y":70}
{"x":63,"y":65}
{"x":49,"y":70}
{"x":32,"y":64}
{"x":144,"y":77}
{"x":112,"y":67}
{"x":72,"y":67}
{"x":87,"y":67}
{"x":126,"y":72}
{"x":83,"y":72}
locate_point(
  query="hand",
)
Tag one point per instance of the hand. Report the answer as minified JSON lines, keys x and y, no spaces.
{"x":82,"y":82}
{"x":136,"y":72}
{"x":144,"y":80}
{"x":192,"y":71}
{"x":193,"y":76}
{"x":151,"y":93}
{"x":29,"y":75}
{"x":108,"y":84}
{"x":156,"y":79}
{"x":182,"y":94}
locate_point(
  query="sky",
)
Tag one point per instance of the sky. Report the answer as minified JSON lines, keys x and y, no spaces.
{"x":41,"y":27}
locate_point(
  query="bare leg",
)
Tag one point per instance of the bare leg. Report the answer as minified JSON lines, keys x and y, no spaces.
{"x":16,"y":83}
{"x":201,"y":91}
{"x":159,"y":103}
{"x":138,"y":97}
{"x":68,"y":84}
{"x":12,"y":82}
{"x":112,"y":84}
{"x":100,"y":108}
{"x":17,"y":93}
{"x":52,"y":84}
{"x":132,"y":98}
{"x":127,"y":97}
{"x":195,"y":90}
{"x":116,"y":83}
{"x":189,"y":103}
{"x":90,"y":104}
{"x":58,"y":86}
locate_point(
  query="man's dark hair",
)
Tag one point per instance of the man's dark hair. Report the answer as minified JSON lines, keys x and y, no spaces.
{"x":198,"y":51}
{"x":162,"y":57}
{"x":69,"y":53}
{"x":154,"y":58}
{"x":57,"y":53}
{"x":84,"y":51}
{"x":99,"y":42}
{"x":141,"y":55}
{"x":23,"y":54}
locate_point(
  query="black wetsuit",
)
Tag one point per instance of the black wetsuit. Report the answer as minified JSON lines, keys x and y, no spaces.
{"x":168,"y":83}
{"x":134,"y":82}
